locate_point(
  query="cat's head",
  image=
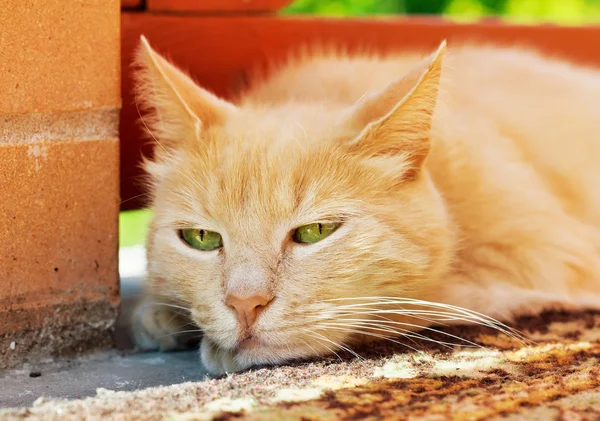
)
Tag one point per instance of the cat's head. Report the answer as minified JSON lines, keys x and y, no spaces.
{"x":295,"y":219}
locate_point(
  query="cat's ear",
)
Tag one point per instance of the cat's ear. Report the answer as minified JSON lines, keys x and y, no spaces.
{"x":177,"y":107}
{"x":396,"y":121}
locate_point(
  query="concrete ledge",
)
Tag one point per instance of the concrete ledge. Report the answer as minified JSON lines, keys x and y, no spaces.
{"x":59,"y":330}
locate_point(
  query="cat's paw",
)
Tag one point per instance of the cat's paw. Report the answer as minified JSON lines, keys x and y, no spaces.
{"x":158,"y":328}
{"x":218,"y":361}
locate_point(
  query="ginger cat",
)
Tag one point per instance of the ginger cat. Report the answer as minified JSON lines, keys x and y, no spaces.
{"x":347,"y":199}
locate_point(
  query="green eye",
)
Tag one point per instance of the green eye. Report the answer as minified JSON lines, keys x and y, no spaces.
{"x":313,"y":233}
{"x":202,"y":239}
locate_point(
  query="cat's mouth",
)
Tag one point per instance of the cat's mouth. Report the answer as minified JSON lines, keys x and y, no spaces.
{"x":254,"y":343}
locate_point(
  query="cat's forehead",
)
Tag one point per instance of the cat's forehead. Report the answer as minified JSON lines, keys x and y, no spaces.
{"x":288,"y":126}
{"x":268,"y":167}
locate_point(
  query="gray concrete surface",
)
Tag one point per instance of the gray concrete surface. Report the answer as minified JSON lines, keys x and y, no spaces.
{"x":80,"y":377}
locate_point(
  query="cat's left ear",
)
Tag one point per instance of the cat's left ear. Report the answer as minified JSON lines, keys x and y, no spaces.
{"x":177,"y":106}
{"x":396,"y":121}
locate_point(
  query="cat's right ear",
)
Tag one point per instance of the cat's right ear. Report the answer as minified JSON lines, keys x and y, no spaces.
{"x":394,"y":123}
{"x":176,"y":108}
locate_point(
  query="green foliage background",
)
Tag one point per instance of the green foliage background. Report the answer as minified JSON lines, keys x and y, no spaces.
{"x":566,"y":12}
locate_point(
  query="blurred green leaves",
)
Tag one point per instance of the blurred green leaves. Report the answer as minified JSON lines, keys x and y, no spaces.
{"x":345,"y":7}
{"x":568,"y":12}
{"x":133,"y":226}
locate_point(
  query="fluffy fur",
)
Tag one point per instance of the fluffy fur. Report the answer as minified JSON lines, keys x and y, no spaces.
{"x":465,"y":182}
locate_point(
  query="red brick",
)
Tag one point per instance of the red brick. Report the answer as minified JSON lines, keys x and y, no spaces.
{"x":58,"y":226}
{"x":59,"y":55}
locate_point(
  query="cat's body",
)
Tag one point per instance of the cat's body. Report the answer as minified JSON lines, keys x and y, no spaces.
{"x":485,"y":199}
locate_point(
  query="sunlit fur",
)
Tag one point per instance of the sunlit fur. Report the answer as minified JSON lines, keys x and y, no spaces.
{"x":467,"y":178}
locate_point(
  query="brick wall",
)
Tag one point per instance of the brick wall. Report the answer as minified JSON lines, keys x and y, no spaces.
{"x":59,"y":175}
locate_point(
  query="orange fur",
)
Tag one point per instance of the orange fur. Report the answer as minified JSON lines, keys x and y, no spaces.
{"x":466,"y":178}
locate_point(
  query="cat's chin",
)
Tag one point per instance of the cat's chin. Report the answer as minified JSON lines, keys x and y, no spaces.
{"x":249,"y":343}
{"x":248,"y":353}
{"x":218,"y":360}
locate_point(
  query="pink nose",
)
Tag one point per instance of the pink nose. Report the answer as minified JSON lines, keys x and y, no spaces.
{"x":247,"y":309}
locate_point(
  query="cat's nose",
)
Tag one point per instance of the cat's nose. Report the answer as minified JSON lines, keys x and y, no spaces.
{"x":247,"y":309}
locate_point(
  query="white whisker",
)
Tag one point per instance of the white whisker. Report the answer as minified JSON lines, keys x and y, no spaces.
{"x":181,"y":332}
{"x":326,"y":346}
{"x":369,"y":324}
{"x":387,"y":338}
{"x":167,"y":305}
{"x":375,"y":311}
{"x":452,"y":313}
{"x":310,"y":346}
{"x":407,"y":314}
{"x":363,"y":330}
{"x":343,"y":347}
